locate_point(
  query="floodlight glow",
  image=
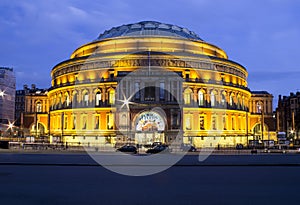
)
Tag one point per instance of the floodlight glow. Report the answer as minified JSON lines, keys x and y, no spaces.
{"x":2,"y":93}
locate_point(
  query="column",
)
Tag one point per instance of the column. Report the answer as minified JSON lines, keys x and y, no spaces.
{"x":195,"y":96}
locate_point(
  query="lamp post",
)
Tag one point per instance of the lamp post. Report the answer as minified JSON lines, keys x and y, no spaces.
{"x":126,"y":103}
{"x":292,"y":136}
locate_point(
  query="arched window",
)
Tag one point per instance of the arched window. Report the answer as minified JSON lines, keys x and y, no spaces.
{"x":212,"y":99}
{"x":187,"y":96}
{"x":67,"y":99}
{"x":59,"y":100}
{"x":239,"y":102}
{"x":200,"y":98}
{"x":38,"y":107}
{"x":223,"y":99}
{"x":230,"y":100}
{"x":258,"y":107}
{"x":112,"y":96}
{"x":98,"y":98}
{"x":86,"y":99}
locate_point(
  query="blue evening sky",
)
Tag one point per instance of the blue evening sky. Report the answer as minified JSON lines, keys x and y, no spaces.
{"x":263,"y":36}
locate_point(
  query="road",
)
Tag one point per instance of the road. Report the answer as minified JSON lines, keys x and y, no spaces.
{"x":221,"y":179}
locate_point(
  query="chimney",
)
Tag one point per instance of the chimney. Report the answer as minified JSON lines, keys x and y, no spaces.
{"x":25,"y":87}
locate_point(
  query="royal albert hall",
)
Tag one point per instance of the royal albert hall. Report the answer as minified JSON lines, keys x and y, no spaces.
{"x":150,"y":82}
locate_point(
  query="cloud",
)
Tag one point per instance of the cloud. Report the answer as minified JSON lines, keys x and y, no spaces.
{"x":78,"y":12}
{"x":261,"y":35}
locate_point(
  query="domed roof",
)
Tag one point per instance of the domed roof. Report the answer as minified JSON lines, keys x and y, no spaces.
{"x":149,"y":28}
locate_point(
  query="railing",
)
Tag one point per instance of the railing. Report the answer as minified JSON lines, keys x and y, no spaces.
{"x":215,"y":82}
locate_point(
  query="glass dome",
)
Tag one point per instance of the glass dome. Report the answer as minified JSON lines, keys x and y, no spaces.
{"x":149,"y":28}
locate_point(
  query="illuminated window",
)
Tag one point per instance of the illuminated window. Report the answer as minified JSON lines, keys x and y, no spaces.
{"x":187,"y":96}
{"x":258,"y":107}
{"x":98,"y":98}
{"x":223,"y":99}
{"x":112,"y":97}
{"x":67,"y":99}
{"x":200,"y":98}
{"x":109,"y":121}
{"x":188,"y":122}
{"x":239,"y":102}
{"x":230,"y":100}
{"x":39,"y":107}
{"x":212,"y":99}
{"x":86,"y":99}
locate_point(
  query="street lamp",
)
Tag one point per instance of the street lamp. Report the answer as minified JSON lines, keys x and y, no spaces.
{"x":2,"y":93}
{"x":292,"y":136}
{"x":10,"y":128}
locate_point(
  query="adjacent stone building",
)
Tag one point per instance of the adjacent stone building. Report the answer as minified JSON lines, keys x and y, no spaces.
{"x":7,"y":98}
{"x":32,"y":111}
{"x":288,"y":115}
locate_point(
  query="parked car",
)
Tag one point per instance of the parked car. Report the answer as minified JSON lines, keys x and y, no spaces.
{"x":154,"y":144}
{"x":276,"y":149}
{"x":157,"y":149}
{"x":188,"y":148}
{"x":128,"y":149}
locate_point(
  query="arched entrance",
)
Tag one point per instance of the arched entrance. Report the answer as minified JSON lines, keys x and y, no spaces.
{"x":149,"y":128}
{"x":39,"y":131}
{"x":257,"y":132}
